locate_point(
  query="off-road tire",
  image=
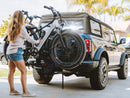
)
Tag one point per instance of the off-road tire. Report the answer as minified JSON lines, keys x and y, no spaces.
{"x":40,"y":77}
{"x":99,"y":77}
{"x":123,"y":71}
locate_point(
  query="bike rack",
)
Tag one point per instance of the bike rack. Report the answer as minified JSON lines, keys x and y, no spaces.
{"x":62,"y":80}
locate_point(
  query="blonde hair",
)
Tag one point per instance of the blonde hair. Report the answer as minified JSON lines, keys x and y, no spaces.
{"x":14,"y":28}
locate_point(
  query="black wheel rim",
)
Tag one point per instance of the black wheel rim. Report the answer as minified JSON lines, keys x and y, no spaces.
{"x":104,"y":74}
{"x":126,"y":67}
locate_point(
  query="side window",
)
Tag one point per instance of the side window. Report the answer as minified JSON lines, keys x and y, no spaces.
{"x":95,"y":28}
{"x":105,"y":33}
{"x":112,"y":35}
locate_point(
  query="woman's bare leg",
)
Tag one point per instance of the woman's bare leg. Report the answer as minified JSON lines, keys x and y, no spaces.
{"x":11,"y":75}
{"x":21,"y":66}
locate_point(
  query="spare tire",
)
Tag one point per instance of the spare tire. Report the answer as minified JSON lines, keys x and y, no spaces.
{"x":74,"y":55}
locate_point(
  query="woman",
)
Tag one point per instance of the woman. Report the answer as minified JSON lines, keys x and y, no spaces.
{"x":16,"y":35}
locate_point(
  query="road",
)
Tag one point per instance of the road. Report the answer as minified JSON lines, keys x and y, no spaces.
{"x":75,"y":87}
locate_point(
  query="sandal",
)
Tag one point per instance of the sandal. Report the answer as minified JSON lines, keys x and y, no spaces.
{"x":28,"y":95}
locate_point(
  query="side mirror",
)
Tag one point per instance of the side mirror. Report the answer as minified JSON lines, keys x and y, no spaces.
{"x":123,"y":41}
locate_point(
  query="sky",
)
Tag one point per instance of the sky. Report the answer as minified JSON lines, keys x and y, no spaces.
{"x":35,"y":7}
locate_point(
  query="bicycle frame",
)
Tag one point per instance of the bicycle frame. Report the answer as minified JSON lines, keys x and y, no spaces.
{"x":54,"y":25}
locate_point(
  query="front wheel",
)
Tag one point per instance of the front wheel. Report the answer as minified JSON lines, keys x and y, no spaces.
{"x":73,"y":55}
{"x":123,"y":71}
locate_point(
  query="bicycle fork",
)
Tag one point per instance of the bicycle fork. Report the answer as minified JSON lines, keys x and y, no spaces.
{"x":61,"y":38}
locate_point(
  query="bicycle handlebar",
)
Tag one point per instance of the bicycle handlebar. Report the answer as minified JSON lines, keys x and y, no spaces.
{"x":49,"y":8}
{"x":29,"y":17}
{"x":25,"y":12}
{"x":55,"y":12}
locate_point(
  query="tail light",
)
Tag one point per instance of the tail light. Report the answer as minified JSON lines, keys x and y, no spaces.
{"x":88,"y":46}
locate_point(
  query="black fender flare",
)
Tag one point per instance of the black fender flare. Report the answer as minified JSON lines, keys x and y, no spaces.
{"x":101,"y":52}
{"x":123,"y":56}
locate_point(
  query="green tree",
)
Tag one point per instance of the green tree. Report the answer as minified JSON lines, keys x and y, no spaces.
{"x":115,"y":10}
{"x":127,"y":17}
{"x":128,"y":35}
{"x":4,"y":26}
{"x":97,"y":11}
{"x":87,"y":3}
{"x":125,"y":1}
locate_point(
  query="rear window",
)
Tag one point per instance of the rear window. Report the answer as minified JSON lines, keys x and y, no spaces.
{"x":75,"y":25}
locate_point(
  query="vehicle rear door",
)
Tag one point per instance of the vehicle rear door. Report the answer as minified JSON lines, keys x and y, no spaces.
{"x":107,"y":44}
{"x":116,"y":48}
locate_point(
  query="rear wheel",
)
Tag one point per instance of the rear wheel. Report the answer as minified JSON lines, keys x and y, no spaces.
{"x":4,"y":61}
{"x":99,"y":77}
{"x":40,"y":77}
{"x":123,"y":71}
{"x":6,"y":44}
{"x":71,"y":57}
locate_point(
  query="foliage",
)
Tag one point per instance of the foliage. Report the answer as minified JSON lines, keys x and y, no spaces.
{"x":128,"y":35}
{"x":115,"y":10}
{"x":87,"y":3}
{"x":127,"y":17}
{"x":125,"y":1}
{"x":4,"y":26}
{"x":97,"y":11}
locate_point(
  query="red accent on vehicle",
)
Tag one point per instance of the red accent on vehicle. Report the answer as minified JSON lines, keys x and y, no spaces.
{"x":7,"y":42}
{"x":43,"y":64}
{"x":88,"y":45}
{"x":56,"y":57}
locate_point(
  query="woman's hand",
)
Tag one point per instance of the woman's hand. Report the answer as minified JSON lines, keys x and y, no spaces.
{"x":39,"y":39}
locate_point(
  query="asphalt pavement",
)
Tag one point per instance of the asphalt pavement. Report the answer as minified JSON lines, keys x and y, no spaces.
{"x":75,"y":87}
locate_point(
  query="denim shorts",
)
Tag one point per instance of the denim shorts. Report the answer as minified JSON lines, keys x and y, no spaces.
{"x":15,"y":56}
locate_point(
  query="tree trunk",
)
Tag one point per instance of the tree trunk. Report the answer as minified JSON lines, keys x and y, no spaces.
{"x":104,"y":17}
{"x":114,"y":18}
{"x":87,"y":10}
{"x":111,"y":18}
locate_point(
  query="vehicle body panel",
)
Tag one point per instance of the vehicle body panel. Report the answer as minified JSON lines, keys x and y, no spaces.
{"x":96,"y":31}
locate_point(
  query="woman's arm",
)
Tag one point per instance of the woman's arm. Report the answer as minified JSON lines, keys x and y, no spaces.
{"x":27,"y":37}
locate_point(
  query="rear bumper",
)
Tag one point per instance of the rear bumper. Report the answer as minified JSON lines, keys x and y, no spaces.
{"x":90,"y":65}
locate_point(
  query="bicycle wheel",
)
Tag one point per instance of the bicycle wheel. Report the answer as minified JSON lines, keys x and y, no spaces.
{"x":71,"y":57}
{"x":6,"y":44}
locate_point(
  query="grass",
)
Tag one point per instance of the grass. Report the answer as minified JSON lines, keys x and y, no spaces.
{"x":4,"y":72}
